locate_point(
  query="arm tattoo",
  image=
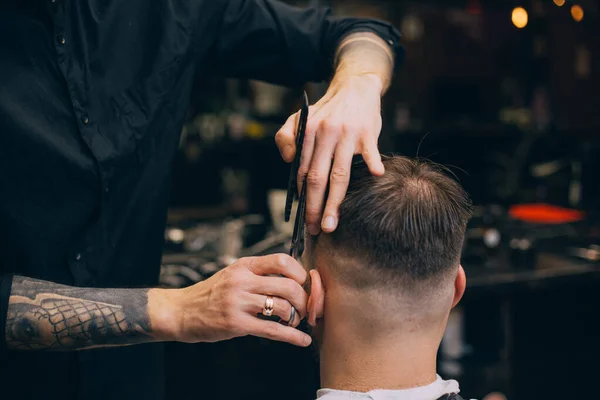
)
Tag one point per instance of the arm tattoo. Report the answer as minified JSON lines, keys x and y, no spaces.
{"x":48,"y":316}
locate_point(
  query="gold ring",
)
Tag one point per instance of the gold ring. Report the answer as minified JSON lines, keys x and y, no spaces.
{"x":268,"y":308}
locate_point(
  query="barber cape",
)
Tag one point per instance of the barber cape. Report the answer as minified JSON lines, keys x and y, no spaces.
{"x":436,"y":390}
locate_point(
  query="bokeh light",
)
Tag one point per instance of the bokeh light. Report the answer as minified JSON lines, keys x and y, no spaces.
{"x":577,"y":12}
{"x":520,"y":17}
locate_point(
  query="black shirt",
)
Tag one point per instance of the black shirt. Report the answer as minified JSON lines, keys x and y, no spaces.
{"x":92,"y":99}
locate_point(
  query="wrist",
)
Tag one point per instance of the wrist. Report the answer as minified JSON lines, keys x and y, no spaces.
{"x":366,"y":82}
{"x":373,"y":81}
{"x":165,"y":313}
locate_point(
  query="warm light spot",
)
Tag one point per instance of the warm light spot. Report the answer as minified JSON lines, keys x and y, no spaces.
{"x":559,"y":3}
{"x":577,"y":12}
{"x":519,"y":17}
{"x":176,"y":235}
{"x":255,"y":130}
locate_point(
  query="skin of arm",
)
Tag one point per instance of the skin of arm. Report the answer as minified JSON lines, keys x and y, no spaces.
{"x":364,"y":54}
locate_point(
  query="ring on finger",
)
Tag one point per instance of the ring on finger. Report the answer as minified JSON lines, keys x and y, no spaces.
{"x":292,"y":316}
{"x":268,"y":307}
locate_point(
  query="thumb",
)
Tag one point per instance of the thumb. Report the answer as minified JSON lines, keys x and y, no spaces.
{"x":286,"y":138}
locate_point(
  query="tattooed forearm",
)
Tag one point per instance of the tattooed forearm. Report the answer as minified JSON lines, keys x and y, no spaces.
{"x":47,"y":316}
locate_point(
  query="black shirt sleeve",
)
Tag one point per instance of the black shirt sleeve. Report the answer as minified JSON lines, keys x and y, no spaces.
{"x":275,"y":42}
{"x":5,"y":286}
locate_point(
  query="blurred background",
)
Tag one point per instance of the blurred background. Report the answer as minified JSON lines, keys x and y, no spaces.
{"x":505,"y":93}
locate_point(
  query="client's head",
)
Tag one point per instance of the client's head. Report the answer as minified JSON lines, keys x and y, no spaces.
{"x":392,"y":267}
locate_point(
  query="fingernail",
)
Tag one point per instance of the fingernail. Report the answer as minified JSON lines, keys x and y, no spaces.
{"x":314,"y":229}
{"x":307,"y":340}
{"x":287,"y":152}
{"x":329,"y":223}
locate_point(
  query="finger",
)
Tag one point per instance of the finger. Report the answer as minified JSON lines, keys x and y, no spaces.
{"x":275,"y":331}
{"x":281,"y":308}
{"x":284,"y":288}
{"x":318,"y":175}
{"x":286,"y":138}
{"x":308,"y":147}
{"x":338,"y":185}
{"x":372,"y":157}
{"x":277,"y":264}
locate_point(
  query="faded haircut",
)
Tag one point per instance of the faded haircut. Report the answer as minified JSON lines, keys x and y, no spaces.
{"x":405,"y":227}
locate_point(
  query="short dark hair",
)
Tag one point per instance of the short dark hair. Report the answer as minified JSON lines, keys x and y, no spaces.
{"x":408,"y":224}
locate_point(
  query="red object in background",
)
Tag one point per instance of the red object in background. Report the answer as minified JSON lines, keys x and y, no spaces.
{"x":474,"y":7}
{"x":544,"y":214}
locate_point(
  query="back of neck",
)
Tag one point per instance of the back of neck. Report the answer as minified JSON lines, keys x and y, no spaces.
{"x":360,"y":364}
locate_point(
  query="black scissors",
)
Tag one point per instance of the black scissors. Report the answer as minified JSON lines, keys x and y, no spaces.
{"x":298,"y":235}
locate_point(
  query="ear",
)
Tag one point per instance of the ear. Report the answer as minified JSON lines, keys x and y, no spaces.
{"x":316,"y":300}
{"x":460,"y":284}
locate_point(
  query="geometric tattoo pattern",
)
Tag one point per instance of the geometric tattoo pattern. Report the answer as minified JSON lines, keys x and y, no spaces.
{"x":44,"y":315}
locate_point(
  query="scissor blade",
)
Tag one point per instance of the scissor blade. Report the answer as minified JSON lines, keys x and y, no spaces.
{"x":292,"y":180}
{"x":298,"y":224}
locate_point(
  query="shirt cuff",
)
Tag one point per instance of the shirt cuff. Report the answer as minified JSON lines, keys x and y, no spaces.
{"x":5,"y":288}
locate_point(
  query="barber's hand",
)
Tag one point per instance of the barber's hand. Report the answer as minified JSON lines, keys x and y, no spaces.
{"x":226,"y":305}
{"x":345,"y":122}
